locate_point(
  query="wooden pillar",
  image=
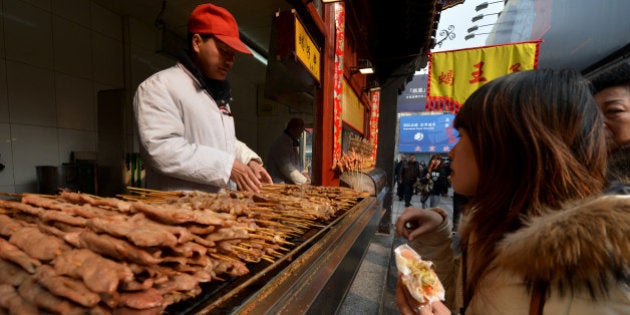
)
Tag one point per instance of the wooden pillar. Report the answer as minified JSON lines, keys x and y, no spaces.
{"x":323,"y":173}
{"x":387,"y":146}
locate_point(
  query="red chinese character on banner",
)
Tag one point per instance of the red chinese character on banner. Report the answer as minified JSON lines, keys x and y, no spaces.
{"x":515,"y":67}
{"x":446,"y":78}
{"x":478,"y":75}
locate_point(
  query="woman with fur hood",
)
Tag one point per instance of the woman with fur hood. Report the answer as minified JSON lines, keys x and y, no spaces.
{"x":538,"y":236}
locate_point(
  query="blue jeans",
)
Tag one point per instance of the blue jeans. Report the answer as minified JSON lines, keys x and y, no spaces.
{"x":434,"y":200}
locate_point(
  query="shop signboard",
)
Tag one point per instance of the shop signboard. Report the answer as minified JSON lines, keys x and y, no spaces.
{"x":352,"y":110}
{"x":306,"y":50}
{"x":414,"y":97}
{"x":427,"y":133}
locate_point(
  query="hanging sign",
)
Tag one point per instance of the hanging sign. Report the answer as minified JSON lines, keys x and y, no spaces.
{"x":306,"y":51}
{"x":456,"y":74}
{"x":427,"y":133}
{"x":352,"y":110}
{"x":375,"y":101}
{"x":340,"y":15}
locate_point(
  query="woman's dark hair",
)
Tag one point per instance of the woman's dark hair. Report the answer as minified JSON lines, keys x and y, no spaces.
{"x":539,"y":142}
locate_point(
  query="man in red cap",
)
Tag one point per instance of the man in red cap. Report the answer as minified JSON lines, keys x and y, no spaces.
{"x":186,"y":128}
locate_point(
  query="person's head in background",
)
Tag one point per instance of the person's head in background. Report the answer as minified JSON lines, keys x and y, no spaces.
{"x":435,"y":161}
{"x":403,"y":157}
{"x":213,"y":40}
{"x":529,"y":142}
{"x":412,"y":158}
{"x":612,"y":94}
{"x":295,"y":128}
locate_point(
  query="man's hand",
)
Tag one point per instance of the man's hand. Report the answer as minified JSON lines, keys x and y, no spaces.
{"x":261,"y":172}
{"x":308,"y":178}
{"x":245,"y":177}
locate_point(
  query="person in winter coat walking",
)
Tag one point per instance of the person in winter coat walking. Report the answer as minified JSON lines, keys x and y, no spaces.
{"x":399,"y":186}
{"x":537,"y":236}
{"x":437,"y":172}
{"x":409,"y":172}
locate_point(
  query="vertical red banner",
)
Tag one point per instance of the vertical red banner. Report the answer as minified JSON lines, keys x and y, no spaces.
{"x":338,"y":79}
{"x":375,"y":100}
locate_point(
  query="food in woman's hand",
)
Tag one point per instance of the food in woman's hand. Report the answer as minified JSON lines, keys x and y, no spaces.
{"x":418,"y":276}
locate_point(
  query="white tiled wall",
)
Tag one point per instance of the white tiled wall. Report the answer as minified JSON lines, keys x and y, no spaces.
{"x":76,"y":107}
{"x":32,"y":146}
{"x":71,"y":44}
{"x":55,"y":55}
{"x":28,"y":33}
{"x":6,"y":176}
{"x":31,"y":94}
{"x":4,"y":103}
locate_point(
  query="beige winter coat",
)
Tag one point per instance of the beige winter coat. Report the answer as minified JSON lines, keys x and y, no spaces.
{"x":583,"y":252}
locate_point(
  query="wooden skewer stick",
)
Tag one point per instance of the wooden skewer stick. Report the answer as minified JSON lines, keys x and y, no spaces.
{"x":223,"y":257}
{"x":268,"y":258}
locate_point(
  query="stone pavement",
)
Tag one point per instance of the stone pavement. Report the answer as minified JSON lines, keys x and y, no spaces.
{"x":374,"y":286}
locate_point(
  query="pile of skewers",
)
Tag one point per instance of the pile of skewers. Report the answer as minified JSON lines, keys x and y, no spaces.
{"x":353,"y":162}
{"x":78,"y":253}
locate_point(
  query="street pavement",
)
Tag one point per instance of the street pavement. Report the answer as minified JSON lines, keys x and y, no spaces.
{"x":374,"y":286}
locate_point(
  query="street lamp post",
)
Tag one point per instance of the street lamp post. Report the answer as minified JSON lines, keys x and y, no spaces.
{"x":448,"y":33}
{"x":480,"y":16}
{"x":476,"y":27}
{"x":484,"y":5}
{"x":471,"y":36}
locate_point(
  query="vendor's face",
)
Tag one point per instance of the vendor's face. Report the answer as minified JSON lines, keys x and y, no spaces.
{"x":297,"y":132}
{"x":214,"y":58}
{"x":464,"y":167}
{"x":615,"y":104}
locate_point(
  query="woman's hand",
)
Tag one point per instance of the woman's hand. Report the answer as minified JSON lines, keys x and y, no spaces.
{"x":414,"y":222}
{"x":407,"y":305}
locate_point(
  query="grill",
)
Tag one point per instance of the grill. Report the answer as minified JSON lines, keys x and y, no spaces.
{"x":308,"y":279}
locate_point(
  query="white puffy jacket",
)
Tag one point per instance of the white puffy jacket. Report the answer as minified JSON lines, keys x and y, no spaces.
{"x":187,"y":142}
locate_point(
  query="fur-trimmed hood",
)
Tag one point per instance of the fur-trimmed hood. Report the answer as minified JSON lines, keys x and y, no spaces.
{"x":585,"y":246}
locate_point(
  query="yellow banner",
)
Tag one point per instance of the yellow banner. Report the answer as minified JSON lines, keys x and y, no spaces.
{"x":352,"y":110}
{"x":454,"y":75}
{"x":306,"y":50}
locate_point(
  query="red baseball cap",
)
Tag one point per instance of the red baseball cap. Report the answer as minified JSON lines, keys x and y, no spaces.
{"x":211,"y":19}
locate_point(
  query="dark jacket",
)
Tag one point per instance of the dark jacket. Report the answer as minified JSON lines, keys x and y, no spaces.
{"x":409,"y":171}
{"x":440,"y":179}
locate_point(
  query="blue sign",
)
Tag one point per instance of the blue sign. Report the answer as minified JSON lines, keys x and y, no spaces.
{"x":427,"y":133}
